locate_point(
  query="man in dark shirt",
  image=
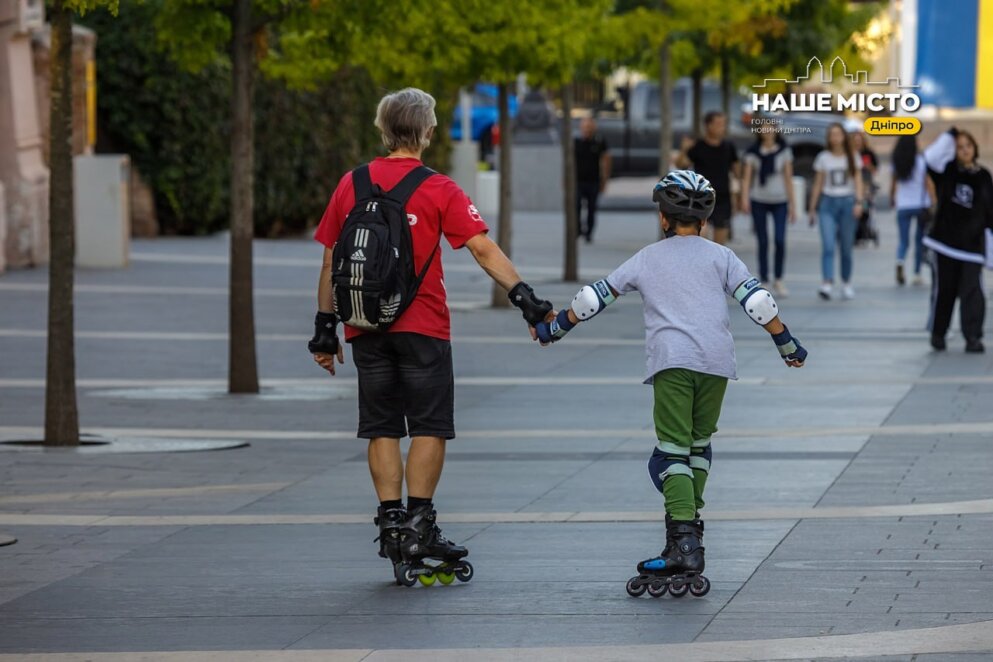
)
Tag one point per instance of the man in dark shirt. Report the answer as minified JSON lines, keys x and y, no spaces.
{"x":715,"y":158}
{"x":592,"y":173}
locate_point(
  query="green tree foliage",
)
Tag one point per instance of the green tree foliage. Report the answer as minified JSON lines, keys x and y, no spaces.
{"x":822,"y":28}
{"x":174,"y":123}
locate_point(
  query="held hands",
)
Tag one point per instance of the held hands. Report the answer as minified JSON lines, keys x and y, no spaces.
{"x":790,"y":348}
{"x":325,"y":345}
{"x":554,"y":330}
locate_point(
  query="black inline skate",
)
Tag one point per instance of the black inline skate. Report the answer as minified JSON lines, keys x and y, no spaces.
{"x":389,"y":520}
{"x":679,"y":568}
{"x":421,"y":540}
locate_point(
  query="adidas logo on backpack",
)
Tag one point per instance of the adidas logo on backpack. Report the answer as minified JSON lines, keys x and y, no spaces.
{"x":374,"y":278}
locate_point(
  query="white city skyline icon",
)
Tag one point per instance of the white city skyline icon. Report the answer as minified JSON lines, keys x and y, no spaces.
{"x":860,"y":77}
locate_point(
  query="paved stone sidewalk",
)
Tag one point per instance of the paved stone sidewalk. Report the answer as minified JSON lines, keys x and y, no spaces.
{"x":850,"y":510}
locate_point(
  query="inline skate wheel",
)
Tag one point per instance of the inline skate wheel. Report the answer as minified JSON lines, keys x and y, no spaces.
{"x":658,"y":588}
{"x":446,"y":578}
{"x":464,"y":571}
{"x":426,"y":580}
{"x":700,"y":586}
{"x":678,"y":589}
{"x":634,"y":589}
{"x":405,"y":575}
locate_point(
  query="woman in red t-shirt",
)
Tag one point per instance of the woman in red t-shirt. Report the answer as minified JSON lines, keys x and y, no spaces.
{"x":406,"y":383}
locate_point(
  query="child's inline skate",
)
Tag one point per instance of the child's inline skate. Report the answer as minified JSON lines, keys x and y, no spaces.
{"x":389,"y":520}
{"x":678,"y":569}
{"x":421,"y":540}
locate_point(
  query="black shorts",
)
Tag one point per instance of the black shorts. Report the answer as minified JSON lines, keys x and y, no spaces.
{"x":406,"y":385}
{"x":721,"y":217}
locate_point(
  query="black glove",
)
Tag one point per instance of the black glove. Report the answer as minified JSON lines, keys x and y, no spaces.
{"x":325,"y":340}
{"x":534,"y":309}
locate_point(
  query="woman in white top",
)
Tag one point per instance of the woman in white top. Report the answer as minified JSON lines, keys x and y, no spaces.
{"x":767,"y":189}
{"x":835,"y":202}
{"x":910,"y":194}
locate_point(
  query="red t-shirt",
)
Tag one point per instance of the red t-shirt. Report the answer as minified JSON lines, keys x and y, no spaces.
{"x":438,"y":206}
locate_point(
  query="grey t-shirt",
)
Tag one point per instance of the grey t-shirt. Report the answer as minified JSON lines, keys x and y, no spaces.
{"x":774,"y":189}
{"x":684,"y":282}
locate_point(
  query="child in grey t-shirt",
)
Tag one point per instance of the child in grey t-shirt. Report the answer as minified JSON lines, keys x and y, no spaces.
{"x":684,"y":281}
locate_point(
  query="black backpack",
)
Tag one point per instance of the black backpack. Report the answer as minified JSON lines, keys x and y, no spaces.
{"x":373,"y":261}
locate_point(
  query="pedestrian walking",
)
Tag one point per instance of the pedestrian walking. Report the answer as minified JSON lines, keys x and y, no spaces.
{"x":382,"y":276}
{"x":684,"y":281}
{"x":592,"y":173}
{"x":767,"y":190}
{"x":911,"y":196}
{"x":866,"y":230}
{"x":836,"y":204}
{"x":715,"y":158}
{"x":960,"y":237}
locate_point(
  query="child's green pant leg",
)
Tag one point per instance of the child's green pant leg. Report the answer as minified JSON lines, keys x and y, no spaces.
{"x":687,"y":406}
{"x":706,"y":411}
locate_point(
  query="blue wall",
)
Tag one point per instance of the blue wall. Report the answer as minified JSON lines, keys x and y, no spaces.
{"x":946,"y":51}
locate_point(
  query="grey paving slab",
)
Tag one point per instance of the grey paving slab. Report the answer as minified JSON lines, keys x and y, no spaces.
{"x":47,"y":635}
{"x":322,"y":586}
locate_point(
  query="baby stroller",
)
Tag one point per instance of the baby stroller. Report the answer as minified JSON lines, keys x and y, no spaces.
{"x":866,"y":231}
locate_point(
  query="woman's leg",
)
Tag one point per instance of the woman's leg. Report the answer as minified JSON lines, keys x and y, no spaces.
{"x":847,"y":225}
{"x":972,"y":303}
{"x":922,"y":217}
{"x":903,"y":218}
{"x":760,"y":213}
{"x":779,"y":225}
{"x":945,"y":289}
{"x":828,"y":225}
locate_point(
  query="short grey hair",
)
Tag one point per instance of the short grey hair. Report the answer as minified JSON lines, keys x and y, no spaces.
{"x":405,"y":119}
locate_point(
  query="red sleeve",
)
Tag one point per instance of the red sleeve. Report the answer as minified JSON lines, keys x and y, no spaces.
{"x":460,"y":220}
{"x":329,"y":229}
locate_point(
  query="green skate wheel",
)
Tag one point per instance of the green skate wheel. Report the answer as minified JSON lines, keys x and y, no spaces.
{"x":426,"y":580}
{"x":700,"y":586}
{"x":658,"y":588}
{"x":446,"y":578}
{"x":634,"y":589}
{"x":405,"y":575}
{"x":463,"y":571}
{"x":678,"y":589}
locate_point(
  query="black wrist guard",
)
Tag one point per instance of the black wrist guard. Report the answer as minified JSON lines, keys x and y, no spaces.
{"x":534,"y":310}
{"x":325,"y":340}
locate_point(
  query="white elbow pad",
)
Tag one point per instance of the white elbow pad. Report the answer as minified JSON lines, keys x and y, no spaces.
{"x":756,"y":301}
{"x":592,"y":299}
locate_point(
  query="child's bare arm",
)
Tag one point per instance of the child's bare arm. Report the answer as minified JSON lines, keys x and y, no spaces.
{"x":759,"y":304}
{"x":586,"y":305}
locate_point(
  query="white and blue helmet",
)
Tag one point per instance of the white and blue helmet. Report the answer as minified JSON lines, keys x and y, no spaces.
{"x":684,"y":195}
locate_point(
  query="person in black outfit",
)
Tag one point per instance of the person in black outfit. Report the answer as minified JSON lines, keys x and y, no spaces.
{"x":592,"y":173}
{"x":715,"y":158}
{"x":962,"y":226}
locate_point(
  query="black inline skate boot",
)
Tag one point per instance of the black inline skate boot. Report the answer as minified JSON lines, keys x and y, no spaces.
{"x":421,"y":540}
{"x":678,"y":569}
{"x":389,"y":520}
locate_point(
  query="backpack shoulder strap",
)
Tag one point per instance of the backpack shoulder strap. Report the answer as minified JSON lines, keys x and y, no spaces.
{"x":362,"y":182}
{"x":406,"y":186}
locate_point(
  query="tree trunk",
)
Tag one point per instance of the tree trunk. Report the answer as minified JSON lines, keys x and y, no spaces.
{"x":697,"y":102}
{"x":571,"y":271}
{"x":61,"y":415}
{"x":505,"y":230}
{"x":242,"y":371}
{"x":726,"y":84}
{"x":665,"y":109}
